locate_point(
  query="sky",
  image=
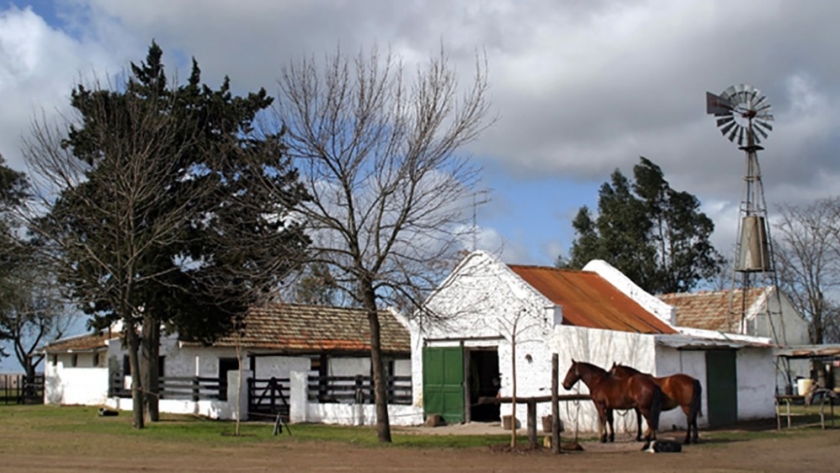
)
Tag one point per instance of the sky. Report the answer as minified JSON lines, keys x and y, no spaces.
{"x":580,"y":87}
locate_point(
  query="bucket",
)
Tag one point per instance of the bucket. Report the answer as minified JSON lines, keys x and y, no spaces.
{"x":804,"y":386}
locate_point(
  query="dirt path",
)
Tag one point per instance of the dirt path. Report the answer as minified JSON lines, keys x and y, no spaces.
{"x":82,"y":452}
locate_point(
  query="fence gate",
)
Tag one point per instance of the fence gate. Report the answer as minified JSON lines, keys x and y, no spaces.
{"x":268,"y":397}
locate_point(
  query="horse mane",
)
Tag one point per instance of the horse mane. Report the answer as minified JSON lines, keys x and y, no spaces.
{"x":593,"y":367}
{"x":626,"y":367}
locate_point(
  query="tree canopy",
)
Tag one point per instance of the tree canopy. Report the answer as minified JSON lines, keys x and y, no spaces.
{"x":655,"y":235}
{"x":158,"y":219}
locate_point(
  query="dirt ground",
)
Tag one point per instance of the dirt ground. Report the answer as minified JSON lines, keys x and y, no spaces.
{"x":21,"y":451}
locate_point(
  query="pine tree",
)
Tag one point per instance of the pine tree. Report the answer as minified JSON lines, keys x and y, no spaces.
{"x":655,"y":235}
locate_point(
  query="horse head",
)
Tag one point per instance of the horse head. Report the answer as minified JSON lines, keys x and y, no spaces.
{"x":572,"y":376}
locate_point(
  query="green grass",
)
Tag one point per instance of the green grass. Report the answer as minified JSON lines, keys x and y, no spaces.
{"x":42,"y":420}
{"x":197,"y":430}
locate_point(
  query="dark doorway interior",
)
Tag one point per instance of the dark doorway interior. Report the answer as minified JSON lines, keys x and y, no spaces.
{"x":225,"y":365}
{"x":483,"y":382}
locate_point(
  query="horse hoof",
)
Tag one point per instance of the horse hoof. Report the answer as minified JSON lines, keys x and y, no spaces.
{"x":603,"y":440}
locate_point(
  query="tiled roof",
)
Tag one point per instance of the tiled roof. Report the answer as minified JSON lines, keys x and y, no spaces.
{"x":588,"y":300}
{"x":711,"y":310}
{"x":89,"y":342}
{"x":298,"y":328}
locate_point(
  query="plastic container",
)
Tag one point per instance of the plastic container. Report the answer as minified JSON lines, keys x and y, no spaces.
{"x":804,"y":386}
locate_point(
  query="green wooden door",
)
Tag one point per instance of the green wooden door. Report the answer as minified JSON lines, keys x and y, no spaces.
{"x":443,"y":382}
{"x":721,"y":387}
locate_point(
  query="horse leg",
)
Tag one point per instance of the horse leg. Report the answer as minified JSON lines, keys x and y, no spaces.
{"x":610,"y":424}
{"x":650,"y":431}
{"x":603,"y":415}
{"x":638,"y":424}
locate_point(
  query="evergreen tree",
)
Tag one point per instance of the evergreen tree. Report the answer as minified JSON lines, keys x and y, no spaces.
{"x":655,"y":235}
{"x":171,"y":223}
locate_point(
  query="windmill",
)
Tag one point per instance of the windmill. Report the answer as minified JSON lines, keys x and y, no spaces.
{"x":743,"y":116}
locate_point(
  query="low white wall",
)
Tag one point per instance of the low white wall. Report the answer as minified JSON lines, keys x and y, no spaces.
{"x":67,"y":385}
{"x":302,"y":411}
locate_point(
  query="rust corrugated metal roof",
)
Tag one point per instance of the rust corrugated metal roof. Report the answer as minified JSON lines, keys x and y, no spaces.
{"x":711,"y":310}
{"x":89,"y":342}
{"x":299,"y":328}
{"x":588,"y":300}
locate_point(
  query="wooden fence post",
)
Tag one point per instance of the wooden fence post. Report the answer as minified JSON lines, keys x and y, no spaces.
{"x":555,"y":409}
{"x":195,"y":388}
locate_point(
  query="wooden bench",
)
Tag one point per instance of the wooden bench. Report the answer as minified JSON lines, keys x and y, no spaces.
{"x":783,"y":403}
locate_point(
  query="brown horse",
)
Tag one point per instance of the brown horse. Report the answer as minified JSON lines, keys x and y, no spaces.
{"x":680,"y":390}
{"x":609,"y":392}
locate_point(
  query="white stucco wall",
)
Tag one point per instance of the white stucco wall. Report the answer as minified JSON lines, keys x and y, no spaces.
{"x":83,"y":384}
{"x":348,"y":366}
{"x":601,"y":348}
{"x":484,"y":304}
{"x":280,"y":366}
{"x":691,"y":362}
{"x":756,"y":383}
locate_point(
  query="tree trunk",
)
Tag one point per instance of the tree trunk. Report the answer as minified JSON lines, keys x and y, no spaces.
{"x":136,"y":382}
{"x":513,"y":386}
{"x":383,"y":426}
{"x":149,"y":367}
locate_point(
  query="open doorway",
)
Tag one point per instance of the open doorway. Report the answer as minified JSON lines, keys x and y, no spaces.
{"x":483,"y":382}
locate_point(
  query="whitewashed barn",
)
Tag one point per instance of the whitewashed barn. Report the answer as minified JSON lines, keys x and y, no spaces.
{"x":291,"y":343}
{"x":485,"y":309}
{"x":765,"y":315}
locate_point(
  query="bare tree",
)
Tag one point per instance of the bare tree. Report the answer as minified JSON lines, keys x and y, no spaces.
{"x":104,"y":221}
{"x":518,"y":327}
{"x":33,"y":309}
{"x":390,"y":196}
{"x":808,"y":261}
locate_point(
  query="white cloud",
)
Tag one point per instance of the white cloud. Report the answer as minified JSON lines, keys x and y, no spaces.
{"x":581,"y":87}
{"x":39,"y":66}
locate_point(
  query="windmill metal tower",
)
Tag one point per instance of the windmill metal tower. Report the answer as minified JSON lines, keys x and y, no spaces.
{"x":743,"y":116}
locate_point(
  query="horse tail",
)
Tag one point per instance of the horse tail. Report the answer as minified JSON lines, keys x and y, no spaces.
{"x":696,"y":407}
{"x":655,"y":409}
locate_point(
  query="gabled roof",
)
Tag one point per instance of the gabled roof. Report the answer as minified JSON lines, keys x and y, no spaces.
{"x":711,"y":310}
{"x":82,"y":343}
{"x":588,"y":300}
{"x":291,"y":328}
{"x":288,"y":328}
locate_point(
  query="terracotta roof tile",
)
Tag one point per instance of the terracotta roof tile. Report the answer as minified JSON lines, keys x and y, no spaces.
{"x":711,"y":310}
{"x":89,"y":342}
{"x":588,"y":300}
{"x":299,"y":328}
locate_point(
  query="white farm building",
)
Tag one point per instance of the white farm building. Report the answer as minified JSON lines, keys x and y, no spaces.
{"x":311,"y":363}
{"x":595,"y":315}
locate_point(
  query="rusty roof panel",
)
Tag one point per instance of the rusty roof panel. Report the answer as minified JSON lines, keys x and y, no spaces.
{"x":588,"y":300}
{"x":711,"y":310}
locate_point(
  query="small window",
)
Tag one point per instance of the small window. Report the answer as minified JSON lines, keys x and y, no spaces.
{"x":74,"y":360}
{"x":55,"y":360}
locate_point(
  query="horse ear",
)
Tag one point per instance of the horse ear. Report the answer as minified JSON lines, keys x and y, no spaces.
{"x":573,"y":361}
